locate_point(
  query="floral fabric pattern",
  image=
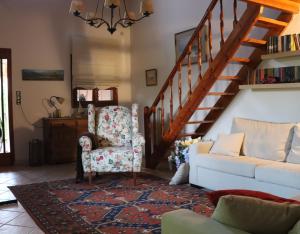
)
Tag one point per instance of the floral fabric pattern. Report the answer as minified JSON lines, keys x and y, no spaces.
{"x":112,"y":159}
{"x":86,"y":143}
{"x":91,"y":118}
{"x":120,"y":143}
{"x":115,"y":125}
{"x":135,"y":121}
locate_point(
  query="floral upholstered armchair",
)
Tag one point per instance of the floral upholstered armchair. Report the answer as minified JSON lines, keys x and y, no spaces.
{"x":120,"y":144}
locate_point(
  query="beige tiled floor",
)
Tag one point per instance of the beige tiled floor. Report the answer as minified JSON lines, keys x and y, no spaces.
{"x":13,"y":218}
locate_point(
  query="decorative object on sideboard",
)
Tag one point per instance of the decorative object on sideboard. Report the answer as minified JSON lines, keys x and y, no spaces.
{"x":111,"y":13}
{"x":181,"y":40}
{"x":52,"y":102}
{"x":151,"y":77}
{"x":43,"y":75}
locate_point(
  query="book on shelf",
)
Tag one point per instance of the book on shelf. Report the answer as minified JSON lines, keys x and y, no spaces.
{"x":278,"y":75}
{"x":284,"y":43}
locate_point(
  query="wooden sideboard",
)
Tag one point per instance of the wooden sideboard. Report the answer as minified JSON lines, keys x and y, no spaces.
{"x":60,"y":138}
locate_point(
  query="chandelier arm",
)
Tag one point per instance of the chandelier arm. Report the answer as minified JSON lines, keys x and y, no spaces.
{"x":124,"y":25}
{"x":100,"y":24}
{"x":128,"y":19}
{"x":102,"y":11}
{"x":125,"y":7}
{"x":84,"y":19}
{"x":96,"y":11}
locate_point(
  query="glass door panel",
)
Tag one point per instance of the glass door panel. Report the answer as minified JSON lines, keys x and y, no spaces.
{"x":6,"y":130}
{"x":4,"y":114}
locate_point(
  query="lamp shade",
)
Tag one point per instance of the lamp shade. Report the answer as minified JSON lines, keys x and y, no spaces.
{"x":112,"y":3}
{"x":77,"y":6}
{"x":147,"y":7}
{"x":60,"y":100}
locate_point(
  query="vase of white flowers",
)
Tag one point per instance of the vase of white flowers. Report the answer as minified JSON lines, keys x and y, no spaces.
{"x":180,"y":153}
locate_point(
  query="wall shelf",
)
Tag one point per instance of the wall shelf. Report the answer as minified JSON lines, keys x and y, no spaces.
{"x":270,"y":86}
{"x":281,"y":55}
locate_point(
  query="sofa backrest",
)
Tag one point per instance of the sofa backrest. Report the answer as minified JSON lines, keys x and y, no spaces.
{"x":265,"y":140}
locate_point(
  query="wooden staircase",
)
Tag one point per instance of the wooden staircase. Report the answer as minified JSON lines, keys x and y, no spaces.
{"x":186,"y":90}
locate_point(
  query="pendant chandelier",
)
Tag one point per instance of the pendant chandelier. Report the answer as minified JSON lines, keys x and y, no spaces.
{"x":111,"y":13}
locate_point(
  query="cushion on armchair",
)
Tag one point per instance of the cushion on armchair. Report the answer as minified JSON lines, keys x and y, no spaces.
{"x":112,"y":159}
{"x":115,"y":125}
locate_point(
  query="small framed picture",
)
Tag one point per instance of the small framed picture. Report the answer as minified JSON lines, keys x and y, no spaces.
{"x":151,"y":77}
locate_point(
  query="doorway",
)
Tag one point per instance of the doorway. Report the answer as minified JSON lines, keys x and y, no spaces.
{"x":6,"y":118}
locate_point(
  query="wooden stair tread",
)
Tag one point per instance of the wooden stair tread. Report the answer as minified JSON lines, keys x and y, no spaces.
{"x":201,"y":122}
{"x":191,"y":135}
{"x":265,"y":22}
{"x":240,"y":60}
{"x":228,"y":78}
{"x":209,"y":108}
{"x":220,"y":94}
{"x":290,"y":6}
{"x":254,"y":42}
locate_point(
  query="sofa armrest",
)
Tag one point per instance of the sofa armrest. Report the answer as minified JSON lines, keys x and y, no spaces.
{"x":137,"y":140}
{"x":86,"y":143}
{"x":186,"y":221}
{"x":201,"y":147}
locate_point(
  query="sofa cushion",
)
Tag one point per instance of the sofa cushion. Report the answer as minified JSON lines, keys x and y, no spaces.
{"x":296,"y":228}
{"x":286,"y":174}
{"x":229,"y":145}
{"x":187,"y":221}
{"x":271,"y":141}
{"x":112,"y":159}
{"x":294,"y":154}
{"x":214,"y":196}
{"x":256,"y":215}
{"x":241,"y":166}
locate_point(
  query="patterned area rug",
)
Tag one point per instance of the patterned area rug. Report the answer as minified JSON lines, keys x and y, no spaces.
{"x":111,"y":205}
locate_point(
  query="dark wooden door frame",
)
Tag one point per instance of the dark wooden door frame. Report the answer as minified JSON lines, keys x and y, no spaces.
{"x":8,"y":158}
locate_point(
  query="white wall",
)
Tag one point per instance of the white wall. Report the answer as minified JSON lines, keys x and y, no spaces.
{"x":39,"y":34}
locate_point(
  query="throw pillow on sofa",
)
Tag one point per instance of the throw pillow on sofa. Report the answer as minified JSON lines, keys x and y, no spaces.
{"x":255,"y":215}
{"x":182,"y":174}
{"x":229,"y":145}
{"x":294,"y":154}
{"x":215,"y":196}
{"x":265,"y":140}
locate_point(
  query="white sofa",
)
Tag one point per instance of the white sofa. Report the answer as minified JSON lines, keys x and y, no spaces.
{"x":269,"y":160}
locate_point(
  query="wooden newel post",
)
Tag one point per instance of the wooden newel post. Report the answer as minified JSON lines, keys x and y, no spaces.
{"x":147,"y":127}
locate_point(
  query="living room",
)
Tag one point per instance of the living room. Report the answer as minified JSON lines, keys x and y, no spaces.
{"x":194,"y":69}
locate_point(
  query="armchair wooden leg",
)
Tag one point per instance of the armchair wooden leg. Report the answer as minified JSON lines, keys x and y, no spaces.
{"x":90,"y":177}
{"x":134,"y":178}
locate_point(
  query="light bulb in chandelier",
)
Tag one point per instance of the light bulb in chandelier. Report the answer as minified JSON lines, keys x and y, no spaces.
{"x":118,"y":13}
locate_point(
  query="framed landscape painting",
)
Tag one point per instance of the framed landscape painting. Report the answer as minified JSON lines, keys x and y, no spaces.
{"x":182,"y":39}
{"x":43,"y":75}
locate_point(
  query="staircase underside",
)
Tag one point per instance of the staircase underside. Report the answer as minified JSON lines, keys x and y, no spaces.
{"x":251,"y":18}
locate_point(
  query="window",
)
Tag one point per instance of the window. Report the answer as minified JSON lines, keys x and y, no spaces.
{"x":98,"y":97}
